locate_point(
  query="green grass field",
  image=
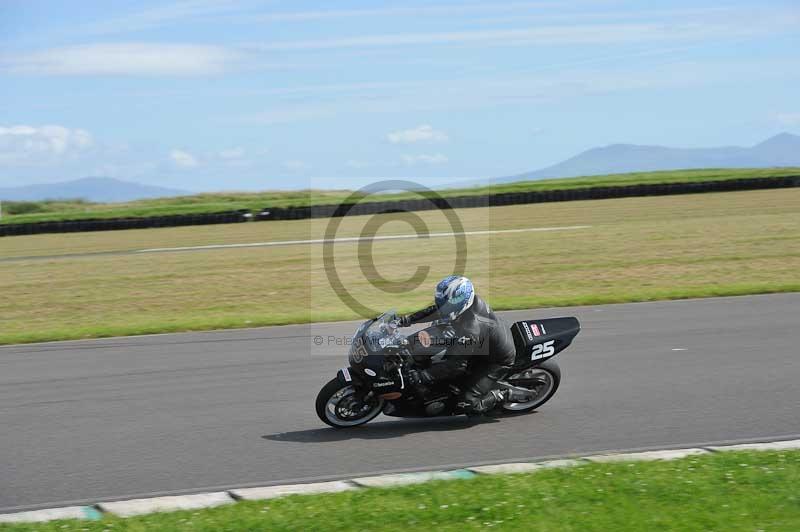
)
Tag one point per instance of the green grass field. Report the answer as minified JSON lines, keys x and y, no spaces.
{"x":733,"y":491}
{"x":20,"y":212}
{"x":637,"y":249}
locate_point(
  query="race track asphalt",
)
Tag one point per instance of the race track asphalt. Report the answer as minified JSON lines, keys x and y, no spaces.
{"x":107,"y":419}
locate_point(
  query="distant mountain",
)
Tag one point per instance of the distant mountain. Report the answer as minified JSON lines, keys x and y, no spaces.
{"x":97,"y":189}
{"x":780,"y":150}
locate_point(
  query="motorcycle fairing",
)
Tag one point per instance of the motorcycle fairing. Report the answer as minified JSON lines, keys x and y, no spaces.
{"x":539,"y":340}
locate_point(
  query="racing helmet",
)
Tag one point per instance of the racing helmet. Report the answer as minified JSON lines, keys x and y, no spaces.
{"x":453,"y":295}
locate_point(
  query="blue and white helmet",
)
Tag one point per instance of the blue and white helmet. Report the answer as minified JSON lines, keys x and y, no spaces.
{"x":454,"y":294}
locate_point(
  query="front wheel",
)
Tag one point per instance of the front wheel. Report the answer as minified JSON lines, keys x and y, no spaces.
{"x":542,"y":381}
{"x":341,"y":407}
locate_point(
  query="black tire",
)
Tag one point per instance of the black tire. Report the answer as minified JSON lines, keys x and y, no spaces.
{"x":554,"y":372}
{"x":329,"y":418}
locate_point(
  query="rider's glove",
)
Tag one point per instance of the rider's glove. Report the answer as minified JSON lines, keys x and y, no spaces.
{"x":404,"y":321}
{"x":419,"y":377}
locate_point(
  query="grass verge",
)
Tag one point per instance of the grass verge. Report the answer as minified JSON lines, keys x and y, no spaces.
{"x":636,"y":249}
{"x":725,"y":491}
{"x":57,"y":210}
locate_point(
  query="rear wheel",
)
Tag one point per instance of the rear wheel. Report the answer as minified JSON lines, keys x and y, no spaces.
{"x":542,"y":381}
{"x":340,"y":406}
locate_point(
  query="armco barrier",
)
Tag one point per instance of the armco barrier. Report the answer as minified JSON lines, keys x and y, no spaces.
{"x":458,"y":202}
{"x":517,"y":198}
{"x":114,"y":224}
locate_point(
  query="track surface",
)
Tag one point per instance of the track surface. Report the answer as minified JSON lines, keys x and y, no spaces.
{"x":106,"y":419}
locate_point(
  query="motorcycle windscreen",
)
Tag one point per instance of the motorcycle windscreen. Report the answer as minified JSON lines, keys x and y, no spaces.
{"x":538,"y":340}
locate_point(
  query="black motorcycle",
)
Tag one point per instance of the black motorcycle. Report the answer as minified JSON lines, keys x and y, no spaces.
{"x":380,"y":357}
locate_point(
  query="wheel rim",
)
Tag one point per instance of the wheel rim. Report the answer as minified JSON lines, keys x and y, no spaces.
{"x":344,"y":410}
{"x":538,"y":381}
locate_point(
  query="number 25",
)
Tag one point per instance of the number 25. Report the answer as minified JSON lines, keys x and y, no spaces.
{"x":543,"y":350}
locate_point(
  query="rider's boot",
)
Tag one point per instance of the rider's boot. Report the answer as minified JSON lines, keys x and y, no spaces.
{"x":487,"y":404}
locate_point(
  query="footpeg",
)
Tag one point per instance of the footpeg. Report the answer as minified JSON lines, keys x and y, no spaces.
{"x":515,"y":394}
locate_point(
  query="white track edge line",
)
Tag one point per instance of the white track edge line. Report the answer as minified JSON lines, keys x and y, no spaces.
{"x":441,"y":473}
{"x":361,"y":239}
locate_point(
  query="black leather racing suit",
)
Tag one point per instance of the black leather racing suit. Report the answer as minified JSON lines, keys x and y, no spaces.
{"x":483,"y":353}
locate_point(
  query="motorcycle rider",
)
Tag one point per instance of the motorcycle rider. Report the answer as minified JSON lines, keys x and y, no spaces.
{"x":482,"y":351}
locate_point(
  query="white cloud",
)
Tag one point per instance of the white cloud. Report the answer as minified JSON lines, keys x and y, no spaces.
{"x":232,"y":154}
{"x":162,"y":15}
{"x":413,"y":11}
{"x":141,"y":59}
{"x":183,"y":159}
{"x":436,"y":158}
{"x":788,"y":119}
{"x":235,"y":157}
{"x":296,"y":166}
{"x":601,"y":75}
{"x":292,"y":113}
{"x":423,"y":133}
{"x":32,"y":144}
{"x":728,"y":24}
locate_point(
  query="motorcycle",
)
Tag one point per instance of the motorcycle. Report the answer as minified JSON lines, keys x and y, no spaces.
{"x":380,"y":358}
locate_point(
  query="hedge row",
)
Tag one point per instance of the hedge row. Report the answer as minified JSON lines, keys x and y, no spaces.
{"x":421,"y":204}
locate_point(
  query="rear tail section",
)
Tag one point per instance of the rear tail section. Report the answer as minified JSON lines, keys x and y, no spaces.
{"x":538,"y":340}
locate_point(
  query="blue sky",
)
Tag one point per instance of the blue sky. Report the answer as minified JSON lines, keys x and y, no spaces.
{"x":238,"y":94}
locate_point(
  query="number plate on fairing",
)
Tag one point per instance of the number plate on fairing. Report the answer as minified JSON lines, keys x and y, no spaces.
{"x":540,"y":351}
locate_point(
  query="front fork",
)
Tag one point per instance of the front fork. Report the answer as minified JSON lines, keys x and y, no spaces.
{"x":347,"y":377}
